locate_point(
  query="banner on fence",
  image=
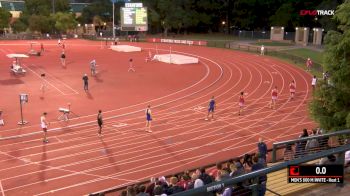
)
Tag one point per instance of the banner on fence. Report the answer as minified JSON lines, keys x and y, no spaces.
{"x":178,"y":41}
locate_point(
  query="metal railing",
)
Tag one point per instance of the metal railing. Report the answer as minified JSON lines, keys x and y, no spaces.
{"x":220,"y":185}
{"x":302,"y":146}
{"x":277,"y":53}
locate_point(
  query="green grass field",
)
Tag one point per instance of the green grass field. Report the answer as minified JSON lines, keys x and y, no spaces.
{"x":305,"y":53}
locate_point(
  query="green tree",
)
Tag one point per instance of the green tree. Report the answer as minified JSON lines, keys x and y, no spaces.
{"x":331,"y":104}
{"x":4,"y":18}
{"x":40,"y":23}
{"x":64,"y":21}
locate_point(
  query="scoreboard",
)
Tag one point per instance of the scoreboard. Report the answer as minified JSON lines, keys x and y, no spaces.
{"x":315,"y":174}
{"x":133,"y":17}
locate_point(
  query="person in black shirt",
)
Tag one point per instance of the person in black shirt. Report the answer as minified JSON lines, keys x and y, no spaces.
{"x":86,"y":82}
{"x":99,"y":122}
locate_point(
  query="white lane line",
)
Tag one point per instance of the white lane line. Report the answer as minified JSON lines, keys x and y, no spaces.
{"x":2,"y":189}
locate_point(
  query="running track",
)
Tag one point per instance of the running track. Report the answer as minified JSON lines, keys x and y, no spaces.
{"x":77,"y":162}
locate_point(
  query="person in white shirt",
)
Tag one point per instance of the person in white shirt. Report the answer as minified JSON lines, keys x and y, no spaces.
{"x":313,"y":82}
{"x":262,"y":50}
{"x":44,"y":124}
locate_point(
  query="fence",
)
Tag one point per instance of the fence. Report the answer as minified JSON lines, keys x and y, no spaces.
{"x":310,"y":144}
{"x":255,"y":187}
{"x":277,"y":53}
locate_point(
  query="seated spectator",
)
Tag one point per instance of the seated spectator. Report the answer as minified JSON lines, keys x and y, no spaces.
{"x":151,"y":186}
{"x":204,"y":176}
{"x":240,"y":169}
{"x":196,"y":181}
{"x":123,"y":193}
{"x":288,"y":153}
{"x":163,"y":183}
{"x":233,"y":169}
{"x":158,"y":191}
{"x":185,"y":180}
{"x":330,"y":159}
{"x":141,"y":191}
{"x":173,"y":187}
{"x":223,"y":175}
{"x":130,"y":191}
{"x":247,"y":161}
{"x":214,"y":172}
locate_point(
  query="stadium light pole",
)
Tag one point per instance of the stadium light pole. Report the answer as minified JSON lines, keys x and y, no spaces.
{"x":113,"y":1}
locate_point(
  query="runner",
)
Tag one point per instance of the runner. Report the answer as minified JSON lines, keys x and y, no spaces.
{"x":211,"y":108}
{"x":292,"y":88}
{"x":59,"y":42}
{"x":148,"y":119}
{"x":43,"y":84}
{"x":42,"y":49}
{"x":63,"y":59}
{"x":99,"y":122}
{"x":44,"y":123}
{"x":241,"y":103}
{"x":131,"y":66}
{"x":93,"y":67}
{"x":274,"y":96}
{"x":313,"y":83}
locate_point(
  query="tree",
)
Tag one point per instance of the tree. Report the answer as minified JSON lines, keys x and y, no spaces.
{"x":331,"y":104}
{"x":4,"y":18}
{"x":64,"y":21}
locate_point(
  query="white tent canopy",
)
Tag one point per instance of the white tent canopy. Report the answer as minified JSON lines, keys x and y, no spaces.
{"x":17,"y":56}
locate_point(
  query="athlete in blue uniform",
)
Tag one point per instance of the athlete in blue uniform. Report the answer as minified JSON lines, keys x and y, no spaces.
{"x":211,"y":108}
{"x":148,"y":119}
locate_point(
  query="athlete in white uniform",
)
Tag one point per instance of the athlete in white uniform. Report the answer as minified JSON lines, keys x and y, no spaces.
{"x":44,"y":124}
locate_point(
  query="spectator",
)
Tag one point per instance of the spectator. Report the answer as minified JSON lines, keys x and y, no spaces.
{"x":204,"y":176}
{"x":158,"y":191}
{"x":330,"y":159}
{"x":123,"y":193}
{"x":173,"y":187}
{"x":262,"y":179}
{"x":262,"y":149}
{"x":312,"y":145}
{"x":308,"y":64}
{"x":163,"y":183}
{"x":130,"y":191}
{"x":247,"y":161}
{"x":141,"y":191}
{"x":214,"y":172}
{"x":233,"y":169}
{"x":223,"y":174}
{"x":288,"y":153}
{"x":151,"y":186}
{"x":197,"y":182}
{"x":185,"y":181}
{"x":240,"y":168}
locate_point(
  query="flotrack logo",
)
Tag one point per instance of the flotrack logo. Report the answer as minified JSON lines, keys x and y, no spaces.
{"x":316,"y":12}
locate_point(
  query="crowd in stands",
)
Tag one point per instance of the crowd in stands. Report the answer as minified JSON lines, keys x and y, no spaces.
{"x":200,"y":177}
{"x":222,"y":171}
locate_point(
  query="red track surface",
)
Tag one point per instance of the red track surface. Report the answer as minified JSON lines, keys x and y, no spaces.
{"x":77,"y":162}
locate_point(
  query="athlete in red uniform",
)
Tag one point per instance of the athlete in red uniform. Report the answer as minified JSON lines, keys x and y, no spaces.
{"x":241,"y":103}
{"x":274,"y":95}
{"x":292,"y":89}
